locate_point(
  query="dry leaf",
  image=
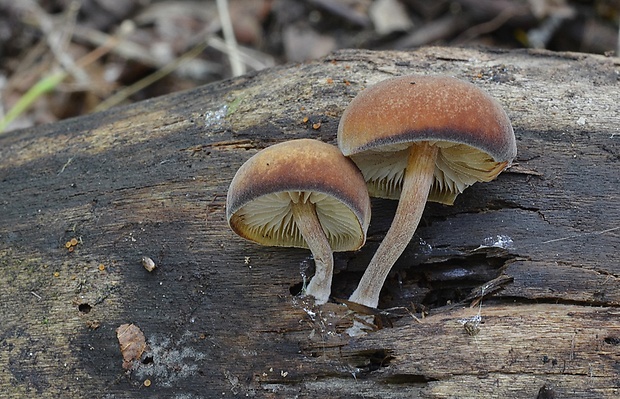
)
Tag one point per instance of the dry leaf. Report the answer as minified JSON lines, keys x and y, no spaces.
{"x":132,"y":343}
{"x":389,"y":16}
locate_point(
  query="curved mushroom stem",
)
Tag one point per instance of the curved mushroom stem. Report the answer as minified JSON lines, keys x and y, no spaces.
{"x":416,"y":186}
{"x":320,"y":286}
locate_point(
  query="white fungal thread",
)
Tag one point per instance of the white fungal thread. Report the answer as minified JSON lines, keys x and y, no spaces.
{"x":472,"y":324}
{"x":214,"y":118}
{"x":498,"y":241}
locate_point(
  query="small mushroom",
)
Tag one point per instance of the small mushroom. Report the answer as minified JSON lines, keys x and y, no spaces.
{"x":301,"y":193}
{"x":419,"y":138}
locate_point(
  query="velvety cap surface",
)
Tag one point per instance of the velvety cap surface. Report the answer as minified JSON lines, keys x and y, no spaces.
{"x":429,"y":108}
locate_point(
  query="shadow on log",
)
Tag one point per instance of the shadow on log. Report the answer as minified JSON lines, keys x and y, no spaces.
{"x":512,"y":292}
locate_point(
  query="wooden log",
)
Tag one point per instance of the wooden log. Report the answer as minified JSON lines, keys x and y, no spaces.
{"x":512,"y":292}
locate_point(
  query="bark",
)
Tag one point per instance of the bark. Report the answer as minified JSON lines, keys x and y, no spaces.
{"x":516,"y":288}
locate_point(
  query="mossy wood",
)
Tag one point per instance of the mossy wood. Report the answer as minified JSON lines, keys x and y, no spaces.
{"x":218,"y":313}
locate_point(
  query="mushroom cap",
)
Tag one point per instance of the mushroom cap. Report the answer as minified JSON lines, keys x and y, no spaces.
{"x":474,"y":135}
{"x":258,"y":205}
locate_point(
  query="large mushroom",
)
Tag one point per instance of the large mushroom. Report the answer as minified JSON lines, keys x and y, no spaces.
{"x":419,"y":138}
{"x":301,"y":193}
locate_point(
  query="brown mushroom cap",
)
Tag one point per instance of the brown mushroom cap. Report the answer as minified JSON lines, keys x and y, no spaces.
{"x":474,"y":135}
{"x":261,"y":193}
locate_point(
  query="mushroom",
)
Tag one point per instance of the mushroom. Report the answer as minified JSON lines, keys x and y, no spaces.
{"x":301,"y":193}
{"x":419,"y":138}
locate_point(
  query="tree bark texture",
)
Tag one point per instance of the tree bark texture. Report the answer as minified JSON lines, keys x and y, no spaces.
{"x":512,"y":292}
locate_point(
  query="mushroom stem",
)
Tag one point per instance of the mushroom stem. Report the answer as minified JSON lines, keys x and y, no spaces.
{"x":417,"y":181}
{"x":304,"y":214}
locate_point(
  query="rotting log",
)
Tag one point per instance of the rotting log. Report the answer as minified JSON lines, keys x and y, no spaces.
{"x":512,"y":292}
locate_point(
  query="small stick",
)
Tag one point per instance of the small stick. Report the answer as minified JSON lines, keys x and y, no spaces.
{"x":229,"y":36}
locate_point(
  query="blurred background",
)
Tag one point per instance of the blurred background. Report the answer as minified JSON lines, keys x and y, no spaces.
{"x":63,"y":58}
